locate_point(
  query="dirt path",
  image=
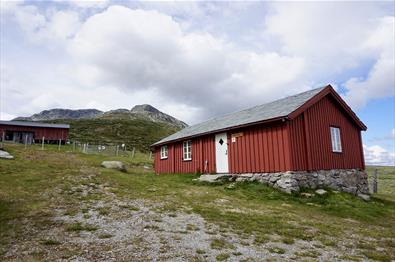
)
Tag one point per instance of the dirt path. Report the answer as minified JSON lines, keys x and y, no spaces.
{"x":99,"y":226}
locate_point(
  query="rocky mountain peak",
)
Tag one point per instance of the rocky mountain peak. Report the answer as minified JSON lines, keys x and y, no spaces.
{"x":144,"y":108}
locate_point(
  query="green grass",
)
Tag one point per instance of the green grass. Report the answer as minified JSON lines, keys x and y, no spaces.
{"x":222,"y":257}
{"x":385,"y":183}
{"x":221,"y":244}
{"x":50,"y":242}
{"x":252,"y":209}
{"x":140,"y":133}
{"x":77,"y":227}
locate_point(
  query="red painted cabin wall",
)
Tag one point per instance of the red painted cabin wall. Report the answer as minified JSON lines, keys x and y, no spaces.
{"x":302,"y":144}
{"x":316,"y":145}
{"x":203,"y":149}
{"x":39,"y":132}
{"x":260,"y":149}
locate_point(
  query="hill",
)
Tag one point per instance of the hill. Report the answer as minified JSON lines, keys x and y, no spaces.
{"x":140,"y":133}
{"x":139,"y":127}
{"x":60,"y":113}
{"x":146,"y":112}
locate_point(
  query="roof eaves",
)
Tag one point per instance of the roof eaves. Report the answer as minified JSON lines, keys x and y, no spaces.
{"x":280,"y":118}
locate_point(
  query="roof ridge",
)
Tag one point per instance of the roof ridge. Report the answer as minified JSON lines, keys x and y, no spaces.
{"x":267,"y":103}
{"x":271,"y":110}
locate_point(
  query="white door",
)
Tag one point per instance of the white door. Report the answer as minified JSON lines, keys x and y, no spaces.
{"x":221,"y":153}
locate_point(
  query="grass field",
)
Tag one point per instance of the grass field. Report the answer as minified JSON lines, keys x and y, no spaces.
{"x":139,"y":133}
{"x":62,"y":205}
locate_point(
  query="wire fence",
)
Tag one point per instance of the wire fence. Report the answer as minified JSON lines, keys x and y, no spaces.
{"x":104,"y":149}
{"x":101,"y":148}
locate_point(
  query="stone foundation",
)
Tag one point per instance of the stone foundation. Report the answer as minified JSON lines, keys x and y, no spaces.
{"x":353,"y":181}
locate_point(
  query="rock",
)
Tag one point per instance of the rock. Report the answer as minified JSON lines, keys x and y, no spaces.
{"x":114,"y":165}
{"x":287,"y":184}
{"x":231,"y":186}
{"x":213,"y":178}
{"x":364,"y":197}
{"x":273,"y":179}
{"x":308,"y":195}
{"x":321,"y":192}
{"x":5,"y":155}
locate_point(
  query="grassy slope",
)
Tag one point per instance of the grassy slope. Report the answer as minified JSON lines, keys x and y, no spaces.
{"x":337,"y":220}
{"x":140,"y":133}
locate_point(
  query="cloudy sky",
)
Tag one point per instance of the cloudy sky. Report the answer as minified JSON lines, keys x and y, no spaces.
{"x":196,"y":60}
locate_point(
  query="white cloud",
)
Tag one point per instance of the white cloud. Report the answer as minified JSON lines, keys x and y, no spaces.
{"x":55,"y":27}
{"x":147,"y":50}
{"x":380,"y":81}
{"x":188,"y":59}
{"x":7,"y":7}
{"x":376,"y":155}
{"x":334,"y":37}
{"x":89,"y":3}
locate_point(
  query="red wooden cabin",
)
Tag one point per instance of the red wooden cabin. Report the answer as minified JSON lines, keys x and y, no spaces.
{"x":29,"y":132}
{"x":314,"y":130}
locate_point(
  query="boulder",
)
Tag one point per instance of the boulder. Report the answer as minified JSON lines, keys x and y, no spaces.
{"x":213,"y":178}
{"x":114,"y":165}
{"x":287,"y":184}
{"x":321,"y":192}
{"x":364,"y":197}
{"x":5,"y":155}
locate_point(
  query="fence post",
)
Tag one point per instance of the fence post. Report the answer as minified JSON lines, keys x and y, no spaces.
{"x":25,"y":141}
{"x":116,"y":150}
{"x":132,"y":155}
{"x":2,"y":140}
{"x":60,"y":142}
{"x":374,"y":182}
{"x":150,"y":154}
{"x":73,"y":146}
{"x":42,"y":143}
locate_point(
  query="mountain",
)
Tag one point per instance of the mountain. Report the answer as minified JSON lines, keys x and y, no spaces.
{"x":145,"y":111}
{"x":139,"y":127}
{"x":59,"y":113}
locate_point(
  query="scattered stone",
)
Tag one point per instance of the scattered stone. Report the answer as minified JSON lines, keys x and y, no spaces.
{"x":308,"y":195}
{"x":5,"y":155}
{"x":321,"y":192}
{"x":114,"y":165}
{"x":231,"y":186}
{"x":213,"y":178}
{"x":364,"y":197}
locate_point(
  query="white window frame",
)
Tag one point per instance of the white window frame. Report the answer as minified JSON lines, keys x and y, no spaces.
{"x":187,"y":150}
{"x":336,"y":139}
{"x":164,"y":152}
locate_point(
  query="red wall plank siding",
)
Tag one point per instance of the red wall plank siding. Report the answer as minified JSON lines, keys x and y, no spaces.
{"x":301,"y":142}
{"x":250,"y":154}
{"x":39,"y":132}
{"x":203,"y":151}
{"x":321,"y":116}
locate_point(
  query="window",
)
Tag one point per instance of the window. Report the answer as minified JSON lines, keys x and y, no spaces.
{"x":163,"y":152}
{"x":336,"y":141}
{"x":187,"y":150}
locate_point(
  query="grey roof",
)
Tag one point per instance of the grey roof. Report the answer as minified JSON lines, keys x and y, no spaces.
{"x":33,"y":124}
{"x":279,"y":108}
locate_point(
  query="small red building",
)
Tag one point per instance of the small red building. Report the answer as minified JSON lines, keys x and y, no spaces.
{"x":29,"y":132}
{"x":314,"y":130}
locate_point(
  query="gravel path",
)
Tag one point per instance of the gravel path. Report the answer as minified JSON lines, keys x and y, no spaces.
{"x":107,"y":228}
